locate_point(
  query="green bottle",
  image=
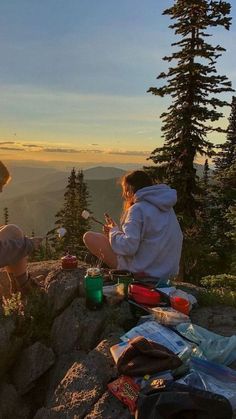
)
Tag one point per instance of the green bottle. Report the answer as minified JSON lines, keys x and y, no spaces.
{"x":93,"y":283}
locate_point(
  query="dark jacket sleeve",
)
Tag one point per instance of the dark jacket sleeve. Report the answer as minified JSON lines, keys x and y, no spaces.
{"x":11,"y":251}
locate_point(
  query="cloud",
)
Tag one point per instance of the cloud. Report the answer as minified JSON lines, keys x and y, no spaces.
{"x":59,"y":150}
{"x":31,"y":145}
{"x":92,"y":151}
{"x":49,"y":148}
{"x":129,"y":152}
{"x":11,"y":148}
{"x":69,"y":150}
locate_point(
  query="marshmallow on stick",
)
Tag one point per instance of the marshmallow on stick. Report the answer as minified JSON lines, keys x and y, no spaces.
{"x":86,"y":215}
{"x":61,"y":232}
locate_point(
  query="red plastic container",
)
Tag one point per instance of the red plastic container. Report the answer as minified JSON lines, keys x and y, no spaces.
{"x":144,"y":295}
{"x":180,"y":304}
{"x":69,"y":262}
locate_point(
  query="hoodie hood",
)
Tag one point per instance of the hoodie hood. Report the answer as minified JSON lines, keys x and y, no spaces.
{"x":161,"y":196}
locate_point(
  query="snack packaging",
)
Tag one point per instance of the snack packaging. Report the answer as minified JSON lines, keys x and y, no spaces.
{"x":125,"y":390}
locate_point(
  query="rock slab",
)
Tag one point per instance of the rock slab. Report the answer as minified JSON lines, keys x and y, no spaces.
{"x":33,"y":362}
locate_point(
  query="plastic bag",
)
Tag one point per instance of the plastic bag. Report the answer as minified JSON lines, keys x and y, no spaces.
{"x":212,"y":377}
{"x":154,"y":331}
{"x":168,"y":316}
{"x":214,"y":347}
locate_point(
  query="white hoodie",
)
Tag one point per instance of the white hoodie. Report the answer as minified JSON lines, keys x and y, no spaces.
{"x":150,"y":239}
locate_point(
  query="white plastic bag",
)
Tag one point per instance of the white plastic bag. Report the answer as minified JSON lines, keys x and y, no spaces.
{"x":168,"y":316}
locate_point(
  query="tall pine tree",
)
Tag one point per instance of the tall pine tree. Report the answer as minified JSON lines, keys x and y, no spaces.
{"x":225,"y":194}
{"x":76,"y":199}
{"x":193,"y":85}
{"x":6,"y":215}
{"x":226,"y":157}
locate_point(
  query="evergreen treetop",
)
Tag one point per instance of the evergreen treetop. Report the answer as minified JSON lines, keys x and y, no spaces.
{"x":226,"y":157}
{"x":76,"y":199}
{"x":193,"y":85}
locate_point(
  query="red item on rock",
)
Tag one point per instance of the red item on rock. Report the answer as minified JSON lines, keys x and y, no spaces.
{"x":69,"y":262}
{"x":142,"y":294}
{"x":125,"y":390}
{"x":180,"y":304}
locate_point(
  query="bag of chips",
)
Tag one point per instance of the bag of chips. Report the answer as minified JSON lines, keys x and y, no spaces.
{"x":125,"y":390}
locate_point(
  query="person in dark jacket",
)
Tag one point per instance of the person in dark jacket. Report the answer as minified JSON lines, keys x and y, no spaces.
{"x":15,"y":247}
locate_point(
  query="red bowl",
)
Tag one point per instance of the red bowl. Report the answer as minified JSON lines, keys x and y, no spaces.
{"x":144,"y":295}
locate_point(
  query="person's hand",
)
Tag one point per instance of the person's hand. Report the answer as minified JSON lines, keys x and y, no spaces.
{"x":109,"y":221}
{"x":37,"y":241}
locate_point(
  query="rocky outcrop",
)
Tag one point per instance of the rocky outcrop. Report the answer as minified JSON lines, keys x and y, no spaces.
{"x":11,"y":406}
{"x":75,"y":329}
{"x":62,"y":287}
{"x":33,"y":362}
{"x":79,"y":390}
{"x":10,"y":344}
{"x":64,"y":375}
{"x":108,"y":407}
{"x":218,"y":319}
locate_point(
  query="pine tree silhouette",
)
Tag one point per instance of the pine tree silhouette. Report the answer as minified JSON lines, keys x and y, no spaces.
{"x":193,"y":85}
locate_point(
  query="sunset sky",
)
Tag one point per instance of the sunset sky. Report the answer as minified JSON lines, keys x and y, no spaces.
{"x":74,"y":76}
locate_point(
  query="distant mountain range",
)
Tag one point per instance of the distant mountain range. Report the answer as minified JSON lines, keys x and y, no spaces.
{"x":35,"y":194}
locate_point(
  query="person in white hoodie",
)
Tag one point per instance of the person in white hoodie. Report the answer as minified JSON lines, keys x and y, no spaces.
{"x":149,"y":240}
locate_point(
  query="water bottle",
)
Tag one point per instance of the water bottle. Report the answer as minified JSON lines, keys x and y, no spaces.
{"x":93,"y":283}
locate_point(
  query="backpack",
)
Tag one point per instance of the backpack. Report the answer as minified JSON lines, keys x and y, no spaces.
{"x":177,"y":401}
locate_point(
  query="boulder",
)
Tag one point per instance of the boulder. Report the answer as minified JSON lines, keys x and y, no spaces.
{"x":189,"y":288}
{"x":33,"y":362}
{"x":77,"y":328}
{"x":54,"y":413}
{"x":62,"y":287}
{"x":10,"y":404}
{"x":84,"y":384}
{"x":108,"y":407}
{"x":59,"y":370}
{"x":10,"y":344}
{"x":219,"y":319}
{"x":43,"y":268}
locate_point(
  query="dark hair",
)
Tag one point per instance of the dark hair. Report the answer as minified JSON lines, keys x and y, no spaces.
{"x":131,"y":183}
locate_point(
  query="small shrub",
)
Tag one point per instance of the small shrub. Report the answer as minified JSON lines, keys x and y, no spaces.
{"x":13,"y":306}
{"x":33,"y":317}
{"x":225,"y":281}
{"x":213,"y":297}
{"x":38,"y":317}
{"x":218,"y":289}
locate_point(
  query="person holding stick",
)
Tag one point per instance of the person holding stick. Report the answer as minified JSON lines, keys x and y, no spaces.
{"x":149,"y":240}
{"x":14,"y":248}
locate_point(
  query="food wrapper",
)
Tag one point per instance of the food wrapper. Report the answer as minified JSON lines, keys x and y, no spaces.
{"x":125,"y":390}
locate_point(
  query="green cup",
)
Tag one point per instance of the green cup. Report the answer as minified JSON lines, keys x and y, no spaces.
{"x":122,"y":277}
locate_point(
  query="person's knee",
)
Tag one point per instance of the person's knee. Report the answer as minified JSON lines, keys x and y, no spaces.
{"x":14,"y":232}
{"x":87,"y":237}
